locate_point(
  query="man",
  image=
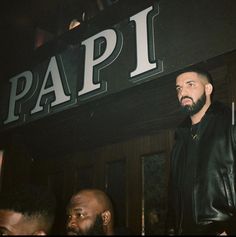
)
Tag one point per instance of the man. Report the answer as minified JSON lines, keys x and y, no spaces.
{"x":26,"y":210}
{"x":202,"y":197}
{"x":90,"y":212}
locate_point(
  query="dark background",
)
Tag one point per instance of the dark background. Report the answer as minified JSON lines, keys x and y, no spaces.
{"x":21,"y":22}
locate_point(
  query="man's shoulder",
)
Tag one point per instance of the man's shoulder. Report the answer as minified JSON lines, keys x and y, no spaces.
{"x":221,"y":116}
{"x":220,"y":108}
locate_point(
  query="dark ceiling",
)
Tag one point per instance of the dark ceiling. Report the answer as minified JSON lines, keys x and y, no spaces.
{"x":19,"y":20}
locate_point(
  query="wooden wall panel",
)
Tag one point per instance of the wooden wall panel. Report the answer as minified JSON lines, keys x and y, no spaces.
{"x":130,"y":152}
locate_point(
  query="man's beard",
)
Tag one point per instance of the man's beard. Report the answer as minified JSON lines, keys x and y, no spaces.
{"x":195,"y":107}
{"x":95,"y":229}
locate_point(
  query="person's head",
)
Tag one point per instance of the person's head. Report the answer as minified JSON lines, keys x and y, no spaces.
{"x":27,"y":210}
{"x":90,"y":212}
{"x":194,"y":88}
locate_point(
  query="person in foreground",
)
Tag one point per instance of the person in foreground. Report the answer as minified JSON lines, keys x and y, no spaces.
{"x":202,"y":198}
{"x":26,"y":210}
{"x":90,"y":212}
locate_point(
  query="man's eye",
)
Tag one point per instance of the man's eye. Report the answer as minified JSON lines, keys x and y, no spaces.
{"x":80,"y":215}
{"x":178,"y":89}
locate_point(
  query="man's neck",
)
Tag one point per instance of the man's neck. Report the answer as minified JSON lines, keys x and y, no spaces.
{"x":196,"y":118}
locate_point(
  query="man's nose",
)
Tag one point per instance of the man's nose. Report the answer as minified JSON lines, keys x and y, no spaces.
{"x":71,"y":222}
{"x":183,"y":93}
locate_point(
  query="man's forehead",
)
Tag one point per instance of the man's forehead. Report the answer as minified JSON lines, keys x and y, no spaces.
{"x":190,"y":76}
{"x":10,"y":216}
{"x":84,"y":201}
{"x":81,"y":199}
{"x":10,"y":220}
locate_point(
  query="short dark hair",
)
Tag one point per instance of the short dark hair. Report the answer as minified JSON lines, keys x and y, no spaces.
{"x":32,"y":201}
{"x":201,"y":71}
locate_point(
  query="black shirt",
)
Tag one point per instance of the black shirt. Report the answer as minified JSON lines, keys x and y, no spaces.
{"x":188,"y":221}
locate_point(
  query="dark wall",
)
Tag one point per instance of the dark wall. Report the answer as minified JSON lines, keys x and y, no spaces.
{"x":108,"y":149}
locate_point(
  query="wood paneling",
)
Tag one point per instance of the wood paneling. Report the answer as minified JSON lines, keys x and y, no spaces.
{"x":130,"y":153}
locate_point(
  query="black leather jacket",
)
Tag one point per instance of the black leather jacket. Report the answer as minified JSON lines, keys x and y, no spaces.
{"x":213,"y":190}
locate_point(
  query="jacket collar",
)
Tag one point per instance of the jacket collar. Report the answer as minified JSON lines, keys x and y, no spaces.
{"x":215,"y":108}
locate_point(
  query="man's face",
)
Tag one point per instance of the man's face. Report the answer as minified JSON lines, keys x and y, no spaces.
{"x":191,"y":94}
{"x":84,"y":216}
{"x":14,"y":223}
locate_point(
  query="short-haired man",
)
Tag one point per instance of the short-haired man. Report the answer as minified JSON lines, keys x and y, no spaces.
{"x":202,"y":198}
{"x":27,"y":210}
{"x":90,"y":212}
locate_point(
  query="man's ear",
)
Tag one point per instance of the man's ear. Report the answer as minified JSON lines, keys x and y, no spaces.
{"x":208,"y":88}
{"x":106,"y":217}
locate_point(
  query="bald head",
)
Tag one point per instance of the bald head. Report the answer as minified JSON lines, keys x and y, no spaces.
{"x":95,"y":206}
{"x":95,"y":197}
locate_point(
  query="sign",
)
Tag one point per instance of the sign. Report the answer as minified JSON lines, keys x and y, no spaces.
{"x":86,"y":70}
{"x":155,"y":40}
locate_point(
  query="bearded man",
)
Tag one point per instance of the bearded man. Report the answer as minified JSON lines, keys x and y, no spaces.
{"x":90,"y":212}
{"x":202,"y":198}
